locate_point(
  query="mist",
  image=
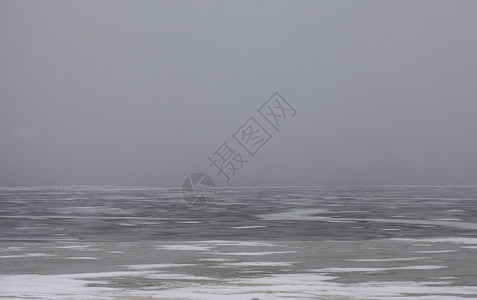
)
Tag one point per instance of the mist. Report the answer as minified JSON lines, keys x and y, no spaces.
{"x":142,"y":93}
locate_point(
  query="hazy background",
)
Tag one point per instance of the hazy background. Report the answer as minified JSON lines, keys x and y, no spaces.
{"x":141,"y":92}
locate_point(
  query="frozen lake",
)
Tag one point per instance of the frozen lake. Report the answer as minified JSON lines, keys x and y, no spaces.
{"x":249,"y":243}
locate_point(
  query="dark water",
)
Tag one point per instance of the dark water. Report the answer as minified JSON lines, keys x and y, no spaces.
{"x":137,"y":214}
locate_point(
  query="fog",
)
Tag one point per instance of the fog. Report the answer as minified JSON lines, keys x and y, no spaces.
{"x":142,"y":93}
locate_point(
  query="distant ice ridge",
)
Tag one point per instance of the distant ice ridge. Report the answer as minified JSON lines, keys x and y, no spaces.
{"x":313,"y":215}
{"x":84,"y":188}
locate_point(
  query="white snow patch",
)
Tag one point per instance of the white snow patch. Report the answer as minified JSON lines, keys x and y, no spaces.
{"x":260,"y":264}
{"x":346,"y":270}
{"x":253,"y":253}
{"x":186,"y":247}
{"x":389,"y":259}
{"x":155,"y":266}
{"x":26,"y":255}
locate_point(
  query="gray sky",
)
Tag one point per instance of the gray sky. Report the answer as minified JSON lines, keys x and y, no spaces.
{"x":118,"y":92}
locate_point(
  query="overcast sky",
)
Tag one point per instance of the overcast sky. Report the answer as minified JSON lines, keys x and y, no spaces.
{"x":143,"y":92}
